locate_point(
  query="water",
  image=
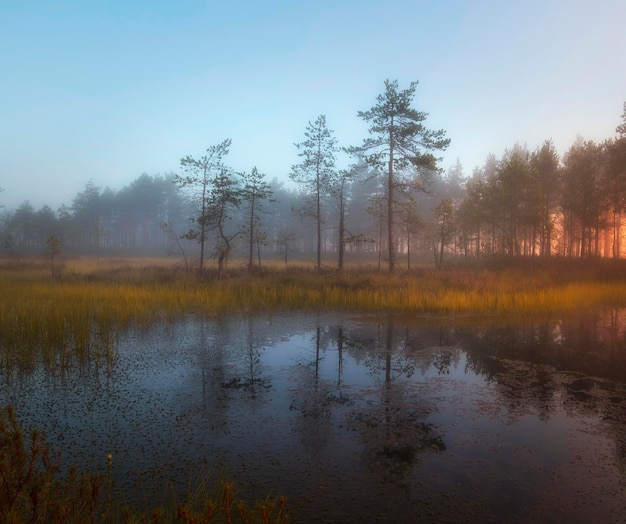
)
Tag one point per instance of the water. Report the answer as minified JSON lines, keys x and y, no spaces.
{"x":355,"y":418}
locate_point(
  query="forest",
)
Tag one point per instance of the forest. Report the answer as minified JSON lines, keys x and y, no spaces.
{"x":394,"y":206}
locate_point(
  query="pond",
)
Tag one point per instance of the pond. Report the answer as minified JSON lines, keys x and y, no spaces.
{"x":355,"y":418}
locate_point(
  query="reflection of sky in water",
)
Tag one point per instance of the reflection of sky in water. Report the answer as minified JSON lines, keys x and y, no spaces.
{"x":419,"y":412}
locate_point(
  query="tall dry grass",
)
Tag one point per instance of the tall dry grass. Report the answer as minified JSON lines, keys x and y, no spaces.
{"x":74,"y":318}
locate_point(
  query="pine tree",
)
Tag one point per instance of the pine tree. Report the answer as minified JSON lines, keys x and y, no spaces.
{"x":398,"y":141}
{"x":316,"y":173}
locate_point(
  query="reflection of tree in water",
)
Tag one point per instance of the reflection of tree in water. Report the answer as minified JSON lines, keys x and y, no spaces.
{"x":212,"y":367}
{"x":523,"y":358}
{"x":509,"y":356}
{"x":592,"y":344}
{"x":413,"y":352}
{"x":338,"y":396}
{"x":322,"y":398}
{"x":613,"y":412}
{"x":534,"y":368}
{"x":605,"y":399}
{"x":249,"y":373}
{"x":524,"y":388}
{"x":578,"y":363}
{"x":392,"y":426}
{"x":311,"y":397}
{"x":229,"y":353}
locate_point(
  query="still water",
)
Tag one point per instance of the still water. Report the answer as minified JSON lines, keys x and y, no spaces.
{"x":355,"y":418}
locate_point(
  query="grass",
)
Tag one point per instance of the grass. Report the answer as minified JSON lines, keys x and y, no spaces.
{"x":74,"y":317}
{"x":77,"y":314}
{"x":82,"y":309}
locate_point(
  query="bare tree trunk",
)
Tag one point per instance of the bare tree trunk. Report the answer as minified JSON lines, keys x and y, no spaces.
{"x":203,"y":220}
{"x":441,"y":251}
{"x":251,"y":230}
{"x":341,"y":229}
{"x":319,"y":232}
{"x":390,"y":184}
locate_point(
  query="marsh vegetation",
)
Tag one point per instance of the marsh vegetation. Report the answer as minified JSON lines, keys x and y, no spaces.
{"x":79,"y":313}
{"x":264,"y":378}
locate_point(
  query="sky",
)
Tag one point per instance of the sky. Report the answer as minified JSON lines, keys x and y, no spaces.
{"x":106,"y":90}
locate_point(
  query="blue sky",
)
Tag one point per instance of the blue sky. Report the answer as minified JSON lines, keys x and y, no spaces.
{"x":107,"y":90}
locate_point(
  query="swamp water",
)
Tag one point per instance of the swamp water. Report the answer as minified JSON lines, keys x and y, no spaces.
{"x":355,"y":418}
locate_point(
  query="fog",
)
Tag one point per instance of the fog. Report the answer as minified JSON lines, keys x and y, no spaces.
{"x":526,"y":203}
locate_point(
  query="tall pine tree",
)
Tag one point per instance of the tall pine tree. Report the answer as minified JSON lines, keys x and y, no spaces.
{"x":316,"y":173}
{"x":398,"y":140}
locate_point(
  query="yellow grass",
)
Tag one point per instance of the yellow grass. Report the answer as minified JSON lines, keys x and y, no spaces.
{"x":75,"y":317}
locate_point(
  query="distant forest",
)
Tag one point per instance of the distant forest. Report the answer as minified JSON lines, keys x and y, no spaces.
{"x":524,"y":204}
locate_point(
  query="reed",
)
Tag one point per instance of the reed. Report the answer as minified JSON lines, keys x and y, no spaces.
{"x":74,"y":319}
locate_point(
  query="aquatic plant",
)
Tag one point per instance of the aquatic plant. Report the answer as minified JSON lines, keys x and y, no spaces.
{"x":29,"y":488}
{"x":199,"y":508}
{"x":30,"y":491}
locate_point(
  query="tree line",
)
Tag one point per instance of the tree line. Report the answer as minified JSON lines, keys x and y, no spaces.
{"x":392,"y":203}
{"x":539,"y":204}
